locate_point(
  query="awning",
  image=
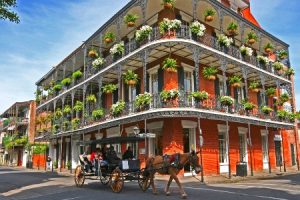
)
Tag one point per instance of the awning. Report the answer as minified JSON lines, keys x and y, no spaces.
{"x":112,"y":140}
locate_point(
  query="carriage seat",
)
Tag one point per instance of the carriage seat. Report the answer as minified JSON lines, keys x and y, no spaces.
{"x":171,"y":160}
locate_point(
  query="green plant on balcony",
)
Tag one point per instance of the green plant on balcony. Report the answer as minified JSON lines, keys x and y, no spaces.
{"x":235,"y":81}
{"x":93,"y":53}
{"x":78,"y":106}
{"x":268,"y":47}
{"x":198,"y":96}
{"x":38,"y":91}
{"x":210,"y":73}
{"x":168,"y":4}
{"x":232,"y":28}
{"x":282,"y":114}
{"x":143,"y":100}
{"x":130,"y":19}
{"x":270,"y":92}
{"x":246,"y":51}
{"x":91,"y":98}
{"x":263,"y":60}
{"x":98,"y":113}
{"x":66,"y":82}
{"x":67,"y":109}
{"x":57,"y":87}
{"x":50,"y":91}
{"x":223,"y":40}
{"x":289,"y":72}
{"x":55,"y":128}
{"x":172,"y":94}
{"x":282,"y":54}
{"x":117,"y":108}
{"x":118,"y":49}
{"x":248,"y":105}
{"x":278,"y":66}
{"x":52,"y":83}
{"x":197,"y":28}
{"x":170,"y":65}
{"x":284,"y":97}
{"x":77,"y":75}
{"x":226,"y":100}
{"x":98,"y":62}
{"x":66,"y":125}
{"x":58,"y":113}
{"x":109,"y":88}
{"x":251,"y":38}
{"x":46,"y":86}
{"x":75,"y":123}
{"x":209,"y":15}
{"x":254,"y":86}
{"x":130,"y":77}
{"x":143,"y":33}
{"x":291,"y":116}
{"x":266,"y":110}
{"x":109,"y":37}
{"x":167,"y":25}
{"x":21,"y":141}
{"x":37,"y":99}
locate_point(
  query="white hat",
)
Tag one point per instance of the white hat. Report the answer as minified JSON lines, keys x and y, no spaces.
{"x":98,"y":146}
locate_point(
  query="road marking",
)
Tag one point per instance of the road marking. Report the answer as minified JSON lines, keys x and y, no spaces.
{"x":12,"y":172}
{"x":72,"y":198}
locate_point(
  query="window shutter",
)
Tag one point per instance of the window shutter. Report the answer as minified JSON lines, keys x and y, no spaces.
{"x":116,"y":96}
{"x":138,"y":88}
{"x":267,"y":100}
{"x":217,"y":87}
{"x":245,"y":92}
{"x":180,"y":73}
{"x":126,"y":93}
{"x":236,"y":94}
{"x":228,"y":88}
{"x":195,"y":82}
{"x":103,"y":99}
{"x":160,"y":77}
{"x":274,"y":105}
{"x":258,"y":99}
{"x":147,"y":81}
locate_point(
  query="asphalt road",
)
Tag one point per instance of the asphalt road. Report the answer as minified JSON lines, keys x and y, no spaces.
{"x":19,"y":184}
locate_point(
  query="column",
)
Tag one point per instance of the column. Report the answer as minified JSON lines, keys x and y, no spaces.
{"x":228,"y":145}
{"x":200,"y":145}
{"x":223,"y":68}
{"x":245,"y":76}
{"x":144,"y":61}
{"x":196,"y":57}
{"x":83,"y":101}
{"x":221,"y":15}
{"x":72,"y":102}
{"x":100,"y":82}
{"x":119,"y":68}
{"x":251,"y":150}
{"x":84,"y":62}
{"x":195,"y":2}
{"x":263,"y":92}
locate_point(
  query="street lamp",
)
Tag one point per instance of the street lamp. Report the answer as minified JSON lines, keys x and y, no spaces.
{"x":136,"y":131}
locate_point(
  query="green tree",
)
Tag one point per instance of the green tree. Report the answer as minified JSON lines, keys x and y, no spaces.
{"x":6,"y":12}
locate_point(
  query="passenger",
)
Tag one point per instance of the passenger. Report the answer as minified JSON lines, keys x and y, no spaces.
{"x":112,"y":157}
{"x":128,"y":155}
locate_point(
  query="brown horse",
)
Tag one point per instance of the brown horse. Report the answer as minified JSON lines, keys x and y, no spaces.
{"x":160,"y":165}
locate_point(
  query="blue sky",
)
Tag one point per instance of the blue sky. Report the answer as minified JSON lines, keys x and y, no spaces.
{"x":51,"y":29}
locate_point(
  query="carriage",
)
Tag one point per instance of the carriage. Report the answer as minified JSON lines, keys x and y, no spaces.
{"x":111,"y":174}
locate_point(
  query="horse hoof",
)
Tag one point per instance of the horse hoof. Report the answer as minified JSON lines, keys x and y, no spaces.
{"x":184,"y":196}
{"x":168,"y":193}
{"x":155,"y":193}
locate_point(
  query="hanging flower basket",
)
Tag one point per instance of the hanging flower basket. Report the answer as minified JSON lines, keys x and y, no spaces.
{"x":251,"y":38}
{"x":209,"y":15}
{"x":210,"y":73}
{"x":235,"y":81}
{"x":130,"y":77}
{"x":130,"y":19}
{"x":168,"y":6}
{"x":131,"y":82}
{"x":109,"y":37}
{"x":268,"y":48}
{"x":93,"y":53}
{"x":168,"y":27}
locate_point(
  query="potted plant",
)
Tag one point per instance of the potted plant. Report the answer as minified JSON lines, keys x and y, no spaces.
{"x":235,"y":81}
{"x":210,"y":73}
{"x":282,"y":114}
{"x":223,"y":40}
{"x":93,"y":53}
{"x":168,"y":4}
{"x":199,"y":96}
{"x":168,"y":27}
{"x":170,"y":65}
{"x":263,"y":60}
{"x":91,"y":98}
{"x":278,"y":66}
{"x":109,"y":37}
{"x":66,"y":82}
{"x":290,"y":71}
{"x":169,"y":94}
{"x":232,"y":28}
{"x":143,"y":33}
{"x":291,"y":116}
{"x":248,"y":105}
{"x":109,"y":88}
{"x":266,"y":110}
{"x":98,"y":113}
{"x":57,"y":87}
{"x":284,"y":97}
{"x":246,"y":51}
{"x":118,"y":49}
{"x":117,"y":108}
{"x":209,"y":15}
{"x":197,"y":29}
{"x":251,"y":38}
{"x":75,"y":123}
{"x":130,"y":19}
{"x":130,"y":77}
{"x":270,"y":92}
{"x":58,"y":113}
{"x":268,"y":48}
{"x":67,"y":109}
{"x":143,"y":100}
{"x":282,"y":54}
{"x":98,"y":62}
{"x":254,"y":86}
{"x":226,"y":100}
{"x":77,"y":75}
{"x":66,"y":125}
{"x":78,"y":106}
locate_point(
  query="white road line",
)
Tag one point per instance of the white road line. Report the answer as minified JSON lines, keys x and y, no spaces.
{"x":72,"y":198}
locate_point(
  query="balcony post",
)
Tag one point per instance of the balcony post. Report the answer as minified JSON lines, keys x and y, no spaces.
{"x":100,"y":82}
{"x":100,"y":44}
{"x":119,"y":68}
{"x":263,"y":93}
{"x":64,"y":70}
{"x":260,"y":42}
{"x":223,"y":68}
{"x":73,"y":63}
{"x":196,"y":57}
{"x":228,"y":147}
{"x":282,"y":147}
{"x":269,"y":161}
{"x":251,"y":150}
{"x":242,"y":29}
{"x":143,"y":4}
{"x":118,"y":24}
{"x":200,"y":145}
{"x":62,"y":108}
{"x":221,"y":16}
{"x":84,"y":61}
{"x":144,"y":61}
{"x":195,"y":2}
{"x":83,"y":101}
{"x":54,"y":109}
{"x":245,"y":76}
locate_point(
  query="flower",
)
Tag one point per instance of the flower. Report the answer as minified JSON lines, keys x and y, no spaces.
{"x":117,"y":108}
{"x":98,"y":62}
{"x":197,"y":28}
{"x":263,"y":59}
{"x":278,"y":66}
{"x":168,"y":25}
{"x":224,"y":40}
{"x":143,"y":99}
{"x":246,"y":51}
{"x":226,"y":100}
{"x":171,"y":94}
{"x":143,"y":33}
{"x":117,"y":49}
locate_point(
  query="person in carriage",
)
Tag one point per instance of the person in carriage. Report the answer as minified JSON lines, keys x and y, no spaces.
{"x":112,"y":157}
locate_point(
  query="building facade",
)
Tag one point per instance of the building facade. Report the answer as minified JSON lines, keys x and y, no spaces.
{"x":18,"y":130}
{"x":214,"y":90}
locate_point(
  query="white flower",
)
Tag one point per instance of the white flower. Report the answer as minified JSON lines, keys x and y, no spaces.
{"x":263,"y":59}
{"x":117,"y":48}
{"x":98,"y":62}
{"x":143,"y":33}
{"x":224,"y":40}
{"x":197,"y":28}
{"x":246,"y":51}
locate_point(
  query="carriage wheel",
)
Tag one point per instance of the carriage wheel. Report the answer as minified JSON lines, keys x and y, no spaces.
{"x":104,"y":178}
{"x":143,"y":180}
{"x":79,"y":176}
{"x":116,"y":180}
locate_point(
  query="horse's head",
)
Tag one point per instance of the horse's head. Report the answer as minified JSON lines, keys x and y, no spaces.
{"x":194,"y":162}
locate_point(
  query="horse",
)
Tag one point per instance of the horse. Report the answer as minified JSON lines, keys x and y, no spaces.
{"x":160,"y":165}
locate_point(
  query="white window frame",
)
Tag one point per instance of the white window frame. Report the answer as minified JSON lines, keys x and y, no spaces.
{"x":221,"y":84}
{"x":190,"y":69}
{"x":265,"y":148}
{"x":224,"y":166}
{"x":243,"y":132}
{"x":152,"y":71}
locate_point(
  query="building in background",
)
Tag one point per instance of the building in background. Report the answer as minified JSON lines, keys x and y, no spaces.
{"x":18,"y":130}
{"x":229,"y":87}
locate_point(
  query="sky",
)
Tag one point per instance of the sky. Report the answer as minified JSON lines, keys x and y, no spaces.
{"x":50,"y":30}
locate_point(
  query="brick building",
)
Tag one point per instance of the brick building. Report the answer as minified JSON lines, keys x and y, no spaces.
{"x":229,"y":87}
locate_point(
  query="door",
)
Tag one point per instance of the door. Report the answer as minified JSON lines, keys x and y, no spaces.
{"x":265,"y":153}
{"x":278,"y":153}
{"x":223,"y":152}
{"x":293,"y":156}
{"x":189,"y":144}
{"x":243,"y":148}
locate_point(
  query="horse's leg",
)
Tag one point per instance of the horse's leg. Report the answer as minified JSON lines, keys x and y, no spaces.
{"x":168,"y":186}
{"x":183,"y":194}
{"x":154,"y":191}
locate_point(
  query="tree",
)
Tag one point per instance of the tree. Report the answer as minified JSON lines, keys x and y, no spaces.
{"x":6,"y":12}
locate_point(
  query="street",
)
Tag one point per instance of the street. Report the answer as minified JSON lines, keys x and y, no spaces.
{"x":23,"y":184}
